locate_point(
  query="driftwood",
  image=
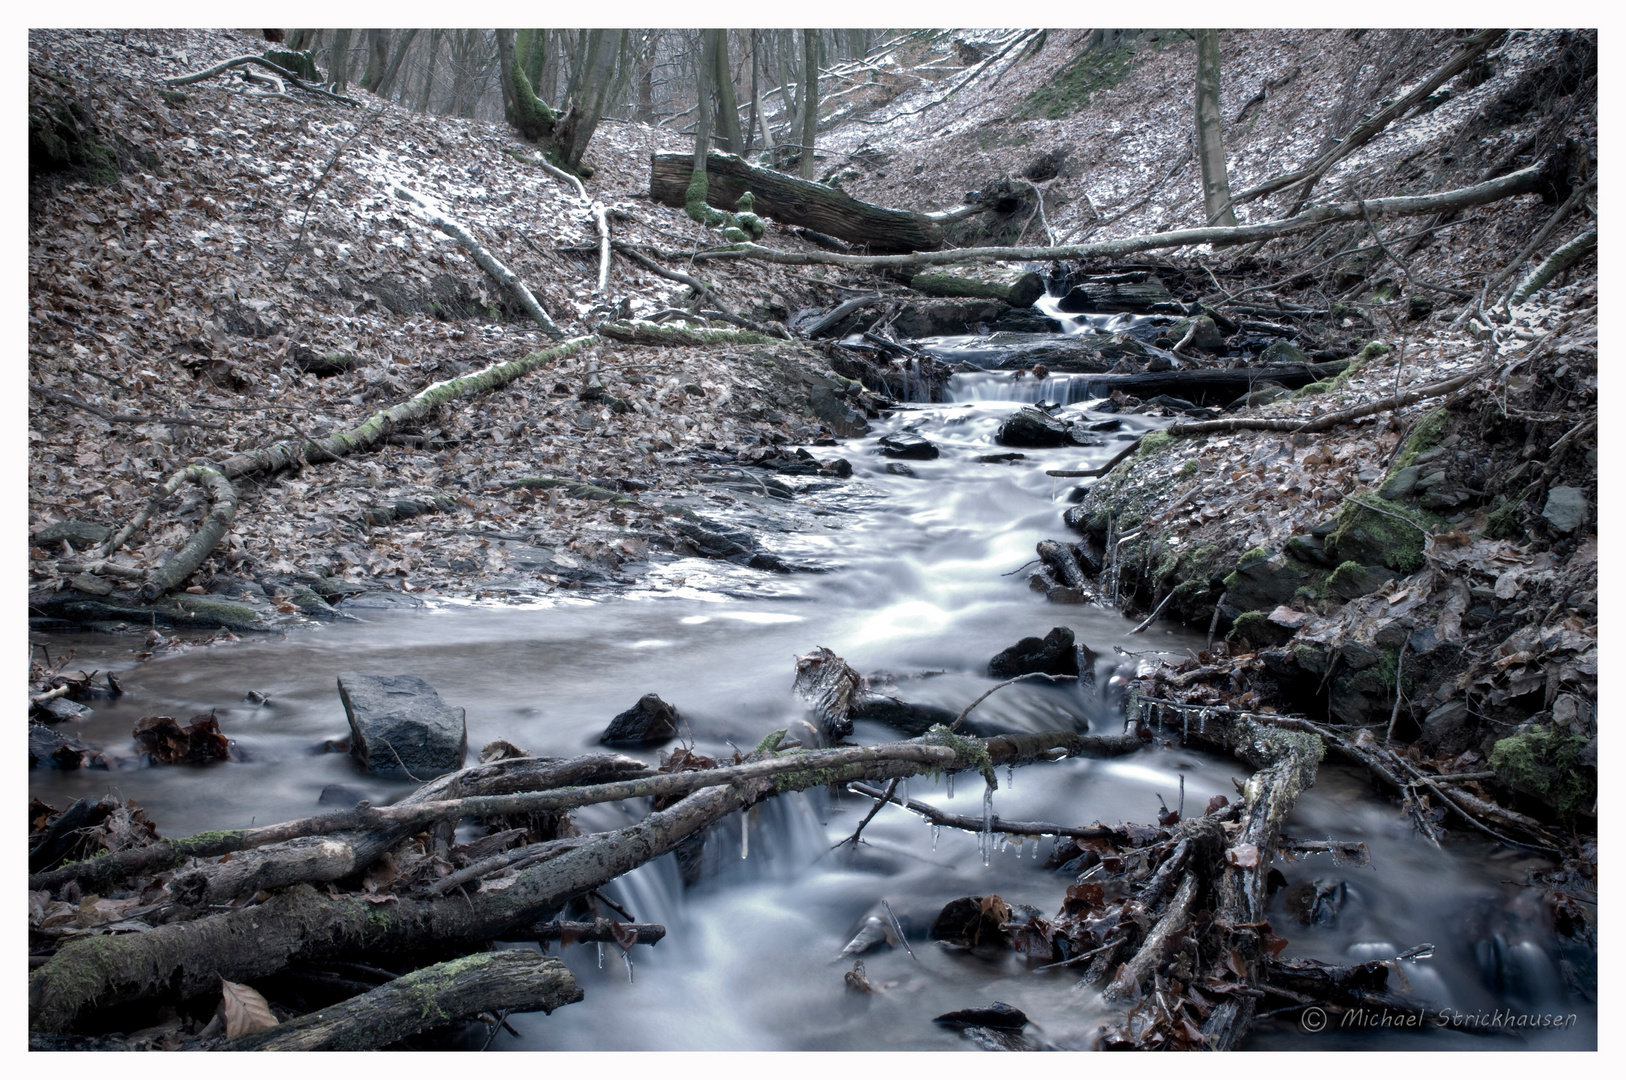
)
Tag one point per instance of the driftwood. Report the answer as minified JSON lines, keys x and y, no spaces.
{"x":509,"y":981}
{"x":299,"y":924}
{"x":793,"y":201}
{"x":278,"y":69}
{"x":1522,"y":182}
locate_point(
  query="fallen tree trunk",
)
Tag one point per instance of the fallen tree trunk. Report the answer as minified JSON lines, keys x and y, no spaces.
{"x":514,"y":980}
{"x":1522,"y":182}
{"x":793,"y":201}
{"x":1555,"y":264}
{"x":300,"y":924}
{"x":643,"y":332}
{"x":1204,"y":386}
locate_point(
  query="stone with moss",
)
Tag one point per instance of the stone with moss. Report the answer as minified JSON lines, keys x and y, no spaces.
{"x":1548,"y":766}
{"x":1372,"y":531}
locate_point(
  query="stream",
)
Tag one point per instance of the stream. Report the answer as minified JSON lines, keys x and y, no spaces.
{"x":918,"y":581}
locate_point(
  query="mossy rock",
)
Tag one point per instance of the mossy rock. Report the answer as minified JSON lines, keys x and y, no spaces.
{"x":61,"y":139}
{"x":1263,"y":581}
{"x":1252,"y":631}
{"x":1546,"y":765}
{"x":1373,"y":531}
{"x":1283,"y":352}
{"x":302,"y":64}
{"x":1013,"y":286}
{"x":1352,"y":580}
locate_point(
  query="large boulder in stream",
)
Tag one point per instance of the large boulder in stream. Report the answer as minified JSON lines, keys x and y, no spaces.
{"x":648,"y":723}
{"x":937,"y":318}
{"x":399,"y":726}
{"x":1033,"y":428}
{"x":1054,"y":654}
{"x":906,"y":444}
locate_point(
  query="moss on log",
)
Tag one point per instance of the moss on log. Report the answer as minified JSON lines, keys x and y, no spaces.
{"x":1016,"y":287}
{"x":789,"y":200}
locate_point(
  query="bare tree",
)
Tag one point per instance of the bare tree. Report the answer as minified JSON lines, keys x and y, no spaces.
{"x":378,"y":59}
{"x":810,"y":100}
{"x":1210,"y":145}
{"x":340,"y":64}
{"x":429,"y":70}
{"x":387,"y":84}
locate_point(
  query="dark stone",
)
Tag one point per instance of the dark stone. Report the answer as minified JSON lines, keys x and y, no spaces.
{"x":1316,"y":903}
{"x":1000,"y":459}
{"x":1401,"y":484}
{"x":339,"y":795}
{"x":1265,"y":583}
{"x":1358,"y":657}
{"x":997,"y":1015}
{"x":840,"y":467}
{"x":79,"y":533}
{"x":1448,"y":729}
{"x":844,"y":420}
{"x":1114,"y":293}
{"x":963,"y":922}
{"x":1357,"y":581}
{"x":939,"y":318}
{"x":898,"y":468}
{"x":1032,"y":428}
{"x":59,"y":709}
{"x":906,"y":444}
{"x":1026,"y":321}
{"x":399,"y":726}
{"x":1054,"y":654}
{"x":1422,"y":641}
{"x":47,"y":746}
{"x":900,"y":715}
{"x":648,"y":723}
{"x":1566,"y":509}
{"x":381,"y":600}
{"x":1308,"y":549}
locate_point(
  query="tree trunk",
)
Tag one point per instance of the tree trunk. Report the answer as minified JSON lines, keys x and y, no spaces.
{"x":793,"y":202}
{"x":810,"y":101}
{"x":429,"y":70}
{"x":1210,"y":144}
{"x":729,"y":137}
{"x":378,"y":59}
{"x":387,"y":84}
{"x":340,"y":64}
{"x":594,"y":79}
{"x":531,"y":117}
{"x":300,"y":40}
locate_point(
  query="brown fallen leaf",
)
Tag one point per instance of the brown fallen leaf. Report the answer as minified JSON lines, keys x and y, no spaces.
{"x":246,"y":1010}
{"x":1245,"y":856}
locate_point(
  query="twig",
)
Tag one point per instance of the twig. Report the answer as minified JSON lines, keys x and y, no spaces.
{"x":311,"y":198}
{"x":1400,"y":663}
{"x":974,"y":824}
{"x":120,"y":418}
{"x":1000,"y":686}
{"x":1155,"y":613}
{"x":885,"y":798}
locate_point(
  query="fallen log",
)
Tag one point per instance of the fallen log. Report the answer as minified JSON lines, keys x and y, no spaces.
{"x":1210,"y":386}
{"x":299,"y":924}
{"x":793,"y":201}
{"x":643,"y":332}
{"x":1522,"y":182}
{"x":510,"y":981}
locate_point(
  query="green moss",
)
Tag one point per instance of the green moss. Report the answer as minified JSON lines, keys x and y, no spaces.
{"x":1253,"y":630}
{"x":769,"y":743}
{"x":174,"y":97}
{"x":302,"y":64}
{"x":736,"y":228}
{"x":1071,"y":88}
{"x":1188,"y":468}
{"x":1253,"y":553}
{"x":1374,"y":529}
{"x":1547,"y":765}
{"x":1154,"y":442}
{"x":527,"y":112}
{"x":1425,"y":437}
{"x":207,"y":843}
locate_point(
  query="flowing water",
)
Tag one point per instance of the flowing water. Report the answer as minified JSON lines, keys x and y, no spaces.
{"x":917,"y":583}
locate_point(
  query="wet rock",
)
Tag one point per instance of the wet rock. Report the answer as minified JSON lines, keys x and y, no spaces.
{"x":1108,"y":294}
{"x":872,"y":933}
{"x":840,"y":467}
{"x":898,"y":468}
{"x":1054,"y":654}
{"x":966,"y":922}
{"x":1566,"y":509}
{"x":1016,"y":287}
{"x":1316,"y":903}
{"x":381,"y":600}
{"x":339,"y":795}
{"x":1351,"y":580}
{"x":1307,"y":548}
{"x":1026,"y":321}
{"x":399,"y":726}
{"x":1033,"y":428}
{"x":939,"y":318}
{"x":1009,"y":351}
{"x":902,"y":716}
{"x":59,"y":709}
{"x":648,"y":723}
{"x":1062,"y":594}
{"x":906,"y":444}
{"x":47,"y":746}
{"x":1000,"y":1039}
{"x":846,"y":421}
{"x":167,"y":743}
{"x":80,"y":534}
{"x":997,"y":1015}
{"x":1000,"y":459}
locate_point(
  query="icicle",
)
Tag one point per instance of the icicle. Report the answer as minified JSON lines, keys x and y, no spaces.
{"x":1185,"y":725}
{"x":934,"y":837}
{"x":903,"y":792}
{"x":987,"y":822}
{"x":950,"y":785}
{"x":1010,"y":777}
{"x":601,"y":956}
{"x":627,"y":956}
{"x":745,"y":834}
{"x":1004,"y":842}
